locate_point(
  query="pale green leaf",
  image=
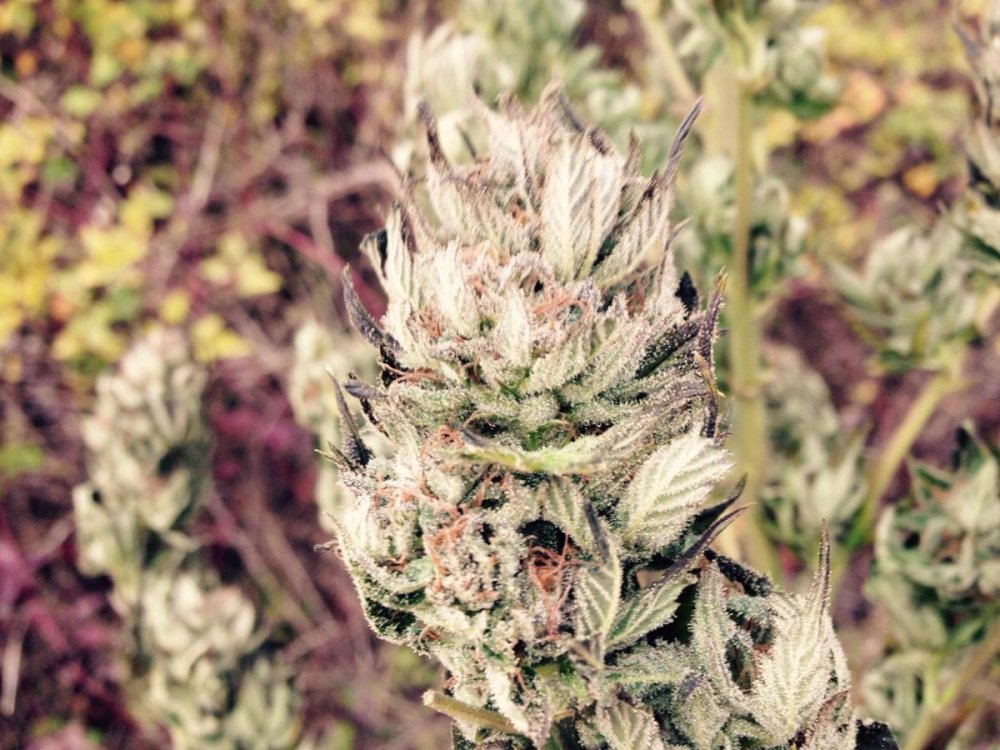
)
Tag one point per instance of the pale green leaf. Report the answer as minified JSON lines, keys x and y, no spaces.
{"x":628,"y":727}
{"x":794,"y":678}
{"x":644,"y":234}
{"x":566,"y":204}
{"x":502,"y":690}
{"x":663,"y":663}
{"x":563,"y":504}
{"x":711,"y":632}
{"x":647,"y":610}
{"x":668,"y":489}
{"x":702,"y":714}
{"x":598,"y":590}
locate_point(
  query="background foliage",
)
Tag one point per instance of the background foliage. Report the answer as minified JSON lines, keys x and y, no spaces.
{"x":212,"y":166}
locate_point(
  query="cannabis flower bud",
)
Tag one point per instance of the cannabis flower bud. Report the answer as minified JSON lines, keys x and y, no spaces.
{"x":547,"y":387}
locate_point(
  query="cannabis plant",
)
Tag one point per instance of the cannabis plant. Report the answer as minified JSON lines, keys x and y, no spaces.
{"x":541,"y":527}
{"x":515,"y":47}
{"x":146,"y":445}
{"x":819,"y":479}
{"x":777,"y":233}
{"x":912,"y":297}
{"x":978,"y":213}
{"x":937,"y":570}
{"x":317,"y":354}
{"x":192,"y":639}
{"x":784,"y":57}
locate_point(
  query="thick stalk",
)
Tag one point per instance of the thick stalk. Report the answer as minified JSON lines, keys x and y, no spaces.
{"x":744,"y":342}
{"x":933,"y":711}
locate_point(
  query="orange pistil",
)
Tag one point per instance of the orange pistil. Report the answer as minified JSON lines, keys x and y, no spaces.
{"x":548,"y":571}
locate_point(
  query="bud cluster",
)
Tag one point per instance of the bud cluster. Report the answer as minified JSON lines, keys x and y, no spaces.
{"x":541,"y":524}
{"x":196,"y":636}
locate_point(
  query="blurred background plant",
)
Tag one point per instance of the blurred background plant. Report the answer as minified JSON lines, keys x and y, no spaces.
{"x":212,"y":167}
{"x":937,"y":570}
{"x":197,"y":667}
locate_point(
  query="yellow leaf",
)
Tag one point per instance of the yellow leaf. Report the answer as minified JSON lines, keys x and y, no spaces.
{"x":175,"y":307}
{"x":10,"y":319}
{"x":80,"y":101}
{"x":211,"y":340}
{"x":114,"y":248}
{"x":144,"y":204}
{"x":215,"y":271}
{"x":782,"y":127}
{"x":921,"y":180}
{"x":89,"y":332}
{"x":17,"y":17}
{"x":364,"y":25}
{"x":253,"y":278}
{"x":233,"y":246}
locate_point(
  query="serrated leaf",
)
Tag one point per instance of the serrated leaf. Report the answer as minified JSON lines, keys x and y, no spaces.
{"x":701,"y":713}
{"x":793,"y":679}
{"x":505,"y":134}
{"x":628,"y":727}
{"x":604,"y":192}
{"x":597,"y":592}
{"x":561,"y":364}
{"x":488,"y":221}
{"x":616,"y":354}
{"x":502,"y":690}
{"x":353,"y":447}
{"x":455,"y":300}
{"x":360,"y":318}
{"x":711,"y":632}
{"x":645,"y":233}
{"x":513,"y":333}
{"x":391,"y":259}
{"x":565,"y":201}
{"x":833,"y":725}
{"x":564,"y":505}
{"x":579,"y":206}
{"x":647,"y":610}
{"x":662,"y":663}
{"x":668,"y":489}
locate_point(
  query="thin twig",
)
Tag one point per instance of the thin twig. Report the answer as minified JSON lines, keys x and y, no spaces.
{"x":305,"y":245}
{"x":257,"y":566}
{"x":12,"y":668}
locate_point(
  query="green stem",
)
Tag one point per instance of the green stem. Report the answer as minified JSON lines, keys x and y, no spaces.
{"x":889,"y":459}
{"x":744,"y":342}
{"x":663,"y":48}
{"x":460,"y":711}
{"x":932,"y":711}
